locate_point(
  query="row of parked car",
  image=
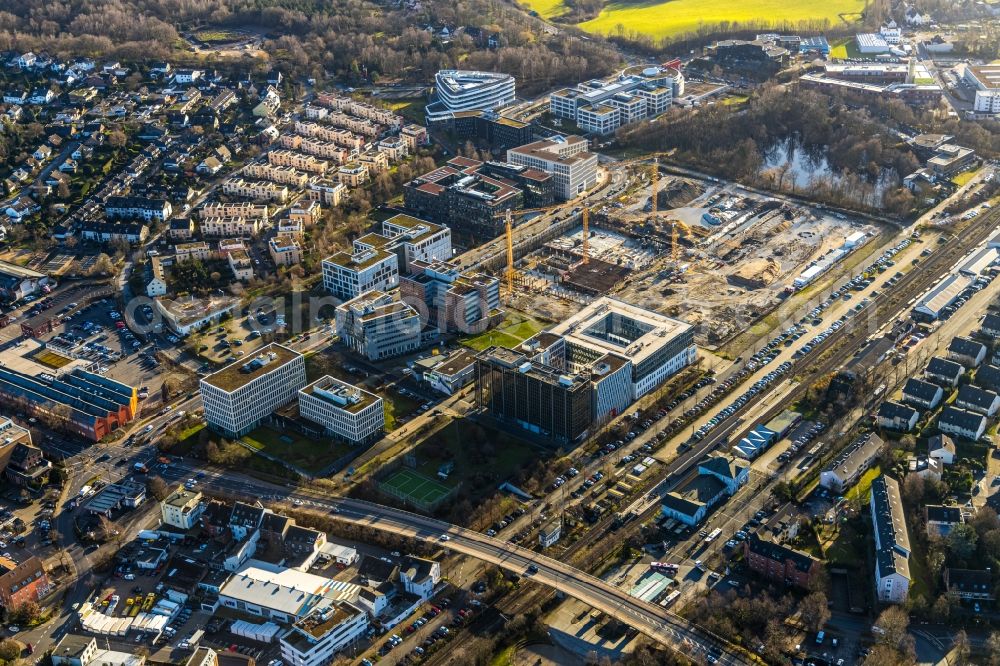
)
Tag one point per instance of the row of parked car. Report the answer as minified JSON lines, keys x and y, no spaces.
{"x":739,"y":402}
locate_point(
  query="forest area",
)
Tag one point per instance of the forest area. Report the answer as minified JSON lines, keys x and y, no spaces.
{"x":354,"y":40}
{"x":867,"y":160}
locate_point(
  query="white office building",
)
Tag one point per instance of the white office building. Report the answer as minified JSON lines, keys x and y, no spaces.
{"x":345,"y":411}
{"x":241,"y":395}
{"x":316,"y":639}
{"x":463,"y":90}
{"x":347,"y":275}
{"x":985,"y":80}
{"x":378,"y":325}
{"x":573,"y":167}
{"x":602,"y":107}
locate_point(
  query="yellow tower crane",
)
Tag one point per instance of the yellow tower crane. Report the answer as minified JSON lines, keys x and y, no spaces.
{"x":586,"y":234}
{"x":509,"y":272}
{"x":675,"y":245}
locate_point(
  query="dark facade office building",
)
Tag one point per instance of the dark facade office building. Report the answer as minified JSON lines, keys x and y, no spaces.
{"x":536,"y":397}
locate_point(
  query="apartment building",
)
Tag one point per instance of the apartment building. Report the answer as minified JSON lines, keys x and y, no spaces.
{"x":573,"y":167}
{"x":284,"y":250}
{"x":241,"y":395}
{"x":414,"y":136}
{"x":779,"y":563}
{"x":257,"y":190}
{"x":340,"y":137}
{"x":347,"y":275}
{"x":142,"y":208}
{"x":198,"y":251}
{"x":847,"y":468}
{"x":345,"y":411}
{"x":306,"y":213}
{"x":240,"y":264}
{"x":327,"y":192}
{"x":360,"y":109}
{"x":242,"y":209}
{"x":315,"y":639}
{"x":22,"y":582}
{"x":394,"y":148}
{"x":376,"y":161}
{"x":182,"y":509}
{"x":319,"y":148}
{"x":892,"y":541}
{"x":285,"y":175}
{"x":352,"y":174}
{"x":230,"y":227}
{"x":377,"y":325}
{"x":297,"y":160}
{"x":456,"y":300}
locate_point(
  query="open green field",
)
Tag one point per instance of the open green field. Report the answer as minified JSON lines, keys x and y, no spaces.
{"x":845,"y":48}
{"x":964,"y":177}
{"x":864,"y":485}
{"x":512,"y":332}
{"x":311,"y":455}
{"x":674,"y":17}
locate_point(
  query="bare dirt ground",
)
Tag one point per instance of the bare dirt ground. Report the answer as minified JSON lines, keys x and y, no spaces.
{"x":727,"y":275}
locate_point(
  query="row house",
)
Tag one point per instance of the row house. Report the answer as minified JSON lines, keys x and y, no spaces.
{"x":240,"y":209}
{"x":361,"y":109}
{"x":341,"y":137}
{"x":356,"y":125}
{"x":137,"y":208}
{"x":258,"y":190}
{"x":106,"y":231}
{"x":277,"y":174}
{"x":327,"y":150}
{"x":297,"y":160}
{"x":240,"y":227}
{"x":199,"y":251}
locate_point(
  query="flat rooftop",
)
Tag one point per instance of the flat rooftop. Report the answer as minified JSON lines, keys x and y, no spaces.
{"x":617,"y":327}
{"x":241,"y":373}
{"x":987,"y":75}
{"x":340,"y":394}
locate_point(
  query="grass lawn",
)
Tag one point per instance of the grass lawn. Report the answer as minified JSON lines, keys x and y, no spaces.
{"x":845,"y":48}
{"x":218,"y":36}
{"x":847,"y":548}
{"x":864,"y":484}
{"x":397,"y":406}
{"x":546,"y":8}
{"x":963,"y":178}
{"x":972,"y":450}
{"x":411,"y":109}
{"x":667,"y":19}
{"x":309,"y":454}
{"x":515,"y":329}
{"x":483,"y":457}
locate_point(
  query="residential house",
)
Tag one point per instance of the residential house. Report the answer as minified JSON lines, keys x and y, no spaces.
{"x":778,"y":563}
{"x":941,"y":448}
{"x":967,"y":351}
{"x":894,"y":416}
{"x":943,"y":371}
{"x":976,"y":399}
{"x":419,"y":576}
{"x":941,"y":519}
{"x":988,"y":377}
{"x":991,"y":325}
{"x":848,"y":467}
{"x":958,"y":422}
{"x":919,"y":393}
{"x":973,"y":585}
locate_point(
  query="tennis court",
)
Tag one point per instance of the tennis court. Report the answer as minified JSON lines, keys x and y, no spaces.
{"x":414,"y":487}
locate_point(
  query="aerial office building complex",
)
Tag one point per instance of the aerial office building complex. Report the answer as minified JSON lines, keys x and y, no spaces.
{"x":461,"y":90}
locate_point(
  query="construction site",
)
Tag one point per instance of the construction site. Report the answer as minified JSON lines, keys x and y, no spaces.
{"x":713,"y":254}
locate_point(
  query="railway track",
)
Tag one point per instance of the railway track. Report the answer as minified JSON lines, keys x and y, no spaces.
{"x":818,"y":362}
